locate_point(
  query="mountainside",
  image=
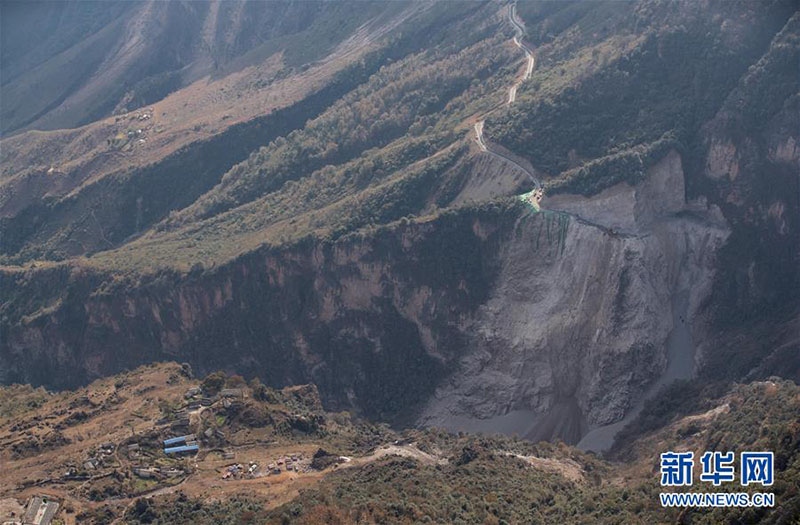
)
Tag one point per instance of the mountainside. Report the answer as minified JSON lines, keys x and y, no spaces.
{"x":275,"y":456}
{"x":70,"y":64}
{"x":295,"y":191}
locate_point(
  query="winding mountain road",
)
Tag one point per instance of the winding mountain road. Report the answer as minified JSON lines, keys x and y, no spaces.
{"x":601,"y":438}
{"x":512,"y":96}
{"x":520,"y":43}
{"x":479,"y":136}
{"x":485,"y":148}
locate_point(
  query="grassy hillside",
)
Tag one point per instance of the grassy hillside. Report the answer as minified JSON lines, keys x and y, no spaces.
{"x":67,"y":65}
{"x":623,"y":96}
{"x":397,"y":97}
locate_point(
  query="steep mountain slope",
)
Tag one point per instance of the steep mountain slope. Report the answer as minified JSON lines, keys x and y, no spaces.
{"x":75,"y":191}
{"x":69,"y":64}
{"x":358,"y":237}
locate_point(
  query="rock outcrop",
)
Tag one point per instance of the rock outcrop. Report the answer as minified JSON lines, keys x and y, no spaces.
{"x":579,"y":316}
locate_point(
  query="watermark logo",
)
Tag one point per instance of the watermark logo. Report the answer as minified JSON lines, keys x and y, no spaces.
{"x":676,"y":469}
{"x":717,"y":468}
{"x":757,"y":467}
{"x":717,"y":499}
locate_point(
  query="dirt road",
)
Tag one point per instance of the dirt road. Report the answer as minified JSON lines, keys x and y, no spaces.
{"x":512,"y":96}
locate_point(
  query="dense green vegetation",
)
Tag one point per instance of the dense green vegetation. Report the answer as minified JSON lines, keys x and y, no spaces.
{"x":307,"y":184}
{"x":626,"y":166}
{"x":636,"y":97}
{"x":383,"y":98}
{"x":395,"y":107}
{"x":613,"y":90}
{"x":486,"y":487}
{"x":173,"y":183}
{"x":183,"y":511}
{"x":758,"y":265}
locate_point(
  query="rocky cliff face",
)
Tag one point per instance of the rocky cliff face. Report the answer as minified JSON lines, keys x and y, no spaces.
{"x":372,"y":320}
{"x":749,"y":165}
{"x":578,"y":320}
{"x":472,"y":315}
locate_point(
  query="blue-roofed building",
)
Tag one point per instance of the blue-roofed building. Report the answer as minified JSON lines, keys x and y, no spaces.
{"x":176,"y":440}
{"x":183,"y":449}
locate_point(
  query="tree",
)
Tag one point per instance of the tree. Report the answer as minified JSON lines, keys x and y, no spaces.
{"x":143,"y":511}
{"x":235,"y":381}
{"x":262,"y":392}
{"x":214,"y":382}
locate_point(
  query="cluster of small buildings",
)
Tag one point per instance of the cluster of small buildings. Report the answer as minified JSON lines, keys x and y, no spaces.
{"x":290,"y":463}
{"x":193,"y":392}
{"x":126,"y":140}
{"x":96,"y":460}
{"x":179,"y":420}
{"x":185,"y":444}
{"x":134,"y":450}
{"x":144,"y":116}
{"x":230,"y":396}
{"x":211,"y":432}
{"x":238,"y":471}
{"x":175,"y":446}
{"x":195,"y":399}
{"x":293,"y":462}
{"x":231,"y":393}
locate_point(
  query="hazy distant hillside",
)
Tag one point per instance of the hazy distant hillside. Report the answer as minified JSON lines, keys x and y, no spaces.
{"x":66,"y":64}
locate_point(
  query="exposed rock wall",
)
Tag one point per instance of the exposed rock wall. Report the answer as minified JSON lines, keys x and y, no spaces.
{"x":471,"y":315}
{"x":580,"y":314}
{"x":748,"y":164}
{"x":372,"y":320}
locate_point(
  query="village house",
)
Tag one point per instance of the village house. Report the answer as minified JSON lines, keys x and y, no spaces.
{"x":237,"y":393}
{"x":41,"y":511}
{"x":192,"y":392}
{"x":146,"y":472}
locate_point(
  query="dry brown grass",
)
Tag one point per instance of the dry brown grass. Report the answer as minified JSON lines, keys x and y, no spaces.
{"x":36,"y":164}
